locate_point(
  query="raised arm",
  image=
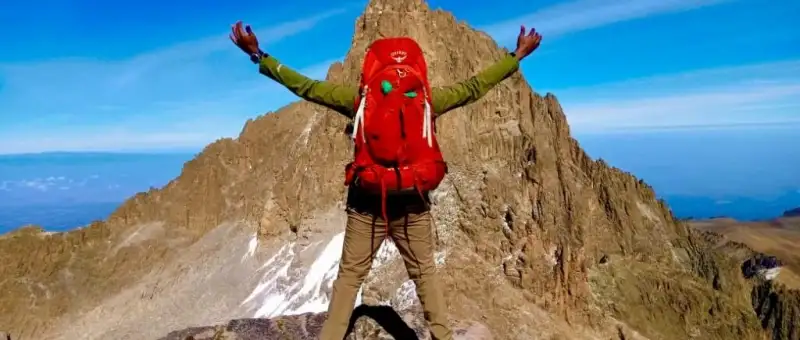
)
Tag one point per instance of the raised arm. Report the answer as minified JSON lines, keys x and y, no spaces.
{"x":339,"y":98}
{"x":466,"y":92}
{"x":336,"y":97}
{"x":452,"y":97}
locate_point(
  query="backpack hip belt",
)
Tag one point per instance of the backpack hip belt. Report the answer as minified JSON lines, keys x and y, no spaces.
{"x":375,"y":178}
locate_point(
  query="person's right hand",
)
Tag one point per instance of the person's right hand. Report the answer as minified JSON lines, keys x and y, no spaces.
{"x":245,"y":39}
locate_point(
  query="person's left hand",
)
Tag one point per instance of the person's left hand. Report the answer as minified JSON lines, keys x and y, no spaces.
{"x":527,"y":43}
{"x":245,"y":39}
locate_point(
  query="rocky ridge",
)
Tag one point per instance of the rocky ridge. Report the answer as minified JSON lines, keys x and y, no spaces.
{"x":536,"y":240}
{"x":775,"y":300}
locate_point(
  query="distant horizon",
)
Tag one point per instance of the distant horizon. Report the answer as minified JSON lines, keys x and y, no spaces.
{"x":738,"y":174}
{"x":639,"y":130}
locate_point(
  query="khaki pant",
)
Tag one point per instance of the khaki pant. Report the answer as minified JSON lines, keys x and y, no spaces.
{"x":413,"y":237}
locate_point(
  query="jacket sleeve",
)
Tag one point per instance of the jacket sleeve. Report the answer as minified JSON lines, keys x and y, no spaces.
{"x":339,"y":98}
{"x":466,"y":92}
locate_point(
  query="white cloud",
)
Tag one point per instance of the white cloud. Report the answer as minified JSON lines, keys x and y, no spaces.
{"x":581,"y":15}
{"x":755,"y":95}
{"x":38,"y":184}
{"x":35,"y":184}
{"x":188,"y":51}
{"x":46,"y":183}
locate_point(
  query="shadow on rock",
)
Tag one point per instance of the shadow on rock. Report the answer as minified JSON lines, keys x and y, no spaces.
{"x":295,"y":327}
{"x":387,"y":318}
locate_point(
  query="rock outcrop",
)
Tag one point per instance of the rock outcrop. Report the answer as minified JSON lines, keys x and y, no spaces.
{"x":308,"y":325}
{"x":792,"y":212}
{"x":765,"y":248}
{"x":778,"y":308}
{"x":536,"y":240}
{"x":304,"y":326}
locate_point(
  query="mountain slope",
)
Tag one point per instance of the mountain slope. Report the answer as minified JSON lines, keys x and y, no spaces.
{"x":536,"y":240}
{"x":776,"y":301}
{"x":779,"y":237}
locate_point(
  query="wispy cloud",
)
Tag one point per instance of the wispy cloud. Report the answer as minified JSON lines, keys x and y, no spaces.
{"x":754,"y":95}
{"x":37,"y":184}
{"x":206,"y":120}
{"x":581,"y":15}
{"x":186,"y":94}
{"x":191,"y":50}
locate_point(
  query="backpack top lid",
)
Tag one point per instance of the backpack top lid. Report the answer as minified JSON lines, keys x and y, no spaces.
{"x":393,"y":51}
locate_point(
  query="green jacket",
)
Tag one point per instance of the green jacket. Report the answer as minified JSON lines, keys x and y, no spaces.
{"x":341,"y":98}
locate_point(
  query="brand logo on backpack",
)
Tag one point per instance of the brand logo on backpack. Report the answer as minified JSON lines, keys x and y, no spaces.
{"x":398,"y":56}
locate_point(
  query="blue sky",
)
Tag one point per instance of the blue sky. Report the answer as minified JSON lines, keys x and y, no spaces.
{"x":89,"y":75}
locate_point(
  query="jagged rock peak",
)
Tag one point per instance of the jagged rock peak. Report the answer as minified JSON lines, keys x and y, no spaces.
{"x":378,"y":6}
{"x":454,"y":51}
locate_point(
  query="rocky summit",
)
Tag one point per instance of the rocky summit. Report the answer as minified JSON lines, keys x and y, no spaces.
{"x":535,"y":239}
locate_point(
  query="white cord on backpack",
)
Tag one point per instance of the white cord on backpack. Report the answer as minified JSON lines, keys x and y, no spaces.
{"x":359,"y":118}
{"x":426,"y":125}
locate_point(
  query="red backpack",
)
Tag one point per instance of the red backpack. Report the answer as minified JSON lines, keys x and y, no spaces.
{"x":395,"y":145}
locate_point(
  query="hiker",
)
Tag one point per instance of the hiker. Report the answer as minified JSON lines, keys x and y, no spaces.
{"x":397,"y":160}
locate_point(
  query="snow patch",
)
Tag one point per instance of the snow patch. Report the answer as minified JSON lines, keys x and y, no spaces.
{"x":445,"y":208}
{"x":307,"y":130}
{"x":770,"y":274}
{"x":405,"y":295}
{"x":323,"y":271}
{"x":251,"y":247}
{"x":268,"y":289}
{"x":439,"y":258}
{"x":388,"y":252}
{"x":358,"y":295}
{"x":647,"y":212}
{"x":506,"y":228}
{"x":284,"y":290}
{"x":143,"y":233}
{"x":385,"y":254}
{"x":552,"y":257}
